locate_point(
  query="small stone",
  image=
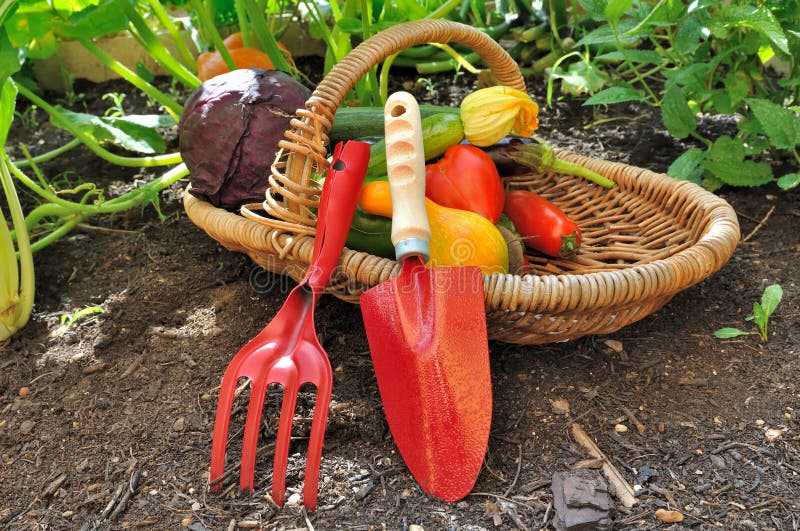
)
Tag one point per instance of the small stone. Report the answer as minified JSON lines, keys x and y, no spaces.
{"x":760,"y":423}
{"x":773,"y":434}
{"x":670,"y":517}
{"x":717,"y":461}
{"x":214,"y":331}
{"x":614,"y":345}
{"x":415,"y":527}
{"x":196,"y":506}
{"x":82,"y":467}
{"x":405,"y":494}
{"x":620,"y":428}
{"x":179,"y":425}
{"x":294,"y":500}
{"x":497,"y":519}
{"x":24,"y":391}
{"x":661,"y":427}
{"x":27,"y":427}
{"x":67,"y":514}
{"x":187,"y":521}
{"x":559,"y":406}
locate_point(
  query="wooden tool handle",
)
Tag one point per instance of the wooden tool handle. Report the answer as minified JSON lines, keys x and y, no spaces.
{"x":405,"y":161}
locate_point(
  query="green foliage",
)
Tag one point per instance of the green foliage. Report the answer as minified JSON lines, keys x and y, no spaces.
{"x":762,"y":311}
{"x":709,"y":57}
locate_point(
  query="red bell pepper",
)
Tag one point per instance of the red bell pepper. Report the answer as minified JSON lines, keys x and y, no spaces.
{"x":542,"y":225}
{"x":467,"y":179}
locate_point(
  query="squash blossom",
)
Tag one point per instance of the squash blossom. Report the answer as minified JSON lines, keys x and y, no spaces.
{"x":490,"y":114}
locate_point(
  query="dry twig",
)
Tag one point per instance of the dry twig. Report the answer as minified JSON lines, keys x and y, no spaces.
{"x":623,"y":489}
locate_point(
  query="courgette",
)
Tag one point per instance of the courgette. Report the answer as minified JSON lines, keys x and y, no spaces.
{"x":352,"y":123}
{"x":439,"y":132}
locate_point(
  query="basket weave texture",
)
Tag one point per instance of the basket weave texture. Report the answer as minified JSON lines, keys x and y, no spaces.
{"x":643,"y":241}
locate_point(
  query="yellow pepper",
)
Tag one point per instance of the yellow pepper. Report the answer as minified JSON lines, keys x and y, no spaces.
{"x":490,"y":114}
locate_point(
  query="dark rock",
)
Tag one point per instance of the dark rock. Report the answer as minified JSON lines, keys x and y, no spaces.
{"x":581,"y":500}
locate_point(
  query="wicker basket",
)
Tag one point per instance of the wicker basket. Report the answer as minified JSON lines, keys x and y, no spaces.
{"x":644,"y":241}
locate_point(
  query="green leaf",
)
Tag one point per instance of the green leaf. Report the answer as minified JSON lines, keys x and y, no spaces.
{"x":615,"y":95}
{"x":605,"y":35}
{"x":106,"y":18}
{"x":8,"y":98}
{"x":678,"y":118}
{"x":737,"y":86}
{"x":134,"y":133}
{"x":781,"y":125}
{"x":635,"y":56}
{"x":688,"y":167}
{"x":10,"y":57}
{"x":727,"y":333}
{"x":688,"y":35}
{"x":771,"y":298}
{"x":759,"y":316}
{"x":581,"y":78}
{"x":789,"y":181}
{"x":726,"y":161}
{"x":594,"y":8}
{"x":760,"y":19}
{"x":616,"y":8}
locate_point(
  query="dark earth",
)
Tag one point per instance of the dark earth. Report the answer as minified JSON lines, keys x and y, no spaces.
{"x":115,"y":432}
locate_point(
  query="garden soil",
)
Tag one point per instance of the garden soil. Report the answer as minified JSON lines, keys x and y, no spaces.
{"x":105,"y":423}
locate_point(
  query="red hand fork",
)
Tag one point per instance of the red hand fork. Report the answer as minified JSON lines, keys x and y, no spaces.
{"x":287,"y":351}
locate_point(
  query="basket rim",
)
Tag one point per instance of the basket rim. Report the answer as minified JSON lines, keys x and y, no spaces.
{"x":511,"y":292}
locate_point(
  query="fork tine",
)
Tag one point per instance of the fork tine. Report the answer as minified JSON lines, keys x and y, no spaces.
{"x":281,"y":458}
{"x":252,"y":425}
{"x":222,"y":422}
{"x":311,"y":481}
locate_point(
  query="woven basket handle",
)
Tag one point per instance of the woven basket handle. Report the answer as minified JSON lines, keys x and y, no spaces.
{"x":343,"y":76}
{"x":303,"y":150}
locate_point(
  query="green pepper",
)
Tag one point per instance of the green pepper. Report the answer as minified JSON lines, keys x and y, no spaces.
{"x":371,"y":234}
{"x":368,"y":233}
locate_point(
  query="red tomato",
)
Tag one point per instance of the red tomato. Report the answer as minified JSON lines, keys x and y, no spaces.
{"x":542,"y":225}
{"x":466,"y":178}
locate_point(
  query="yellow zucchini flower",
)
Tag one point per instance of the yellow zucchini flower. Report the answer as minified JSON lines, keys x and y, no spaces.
{"x":490,"y":114}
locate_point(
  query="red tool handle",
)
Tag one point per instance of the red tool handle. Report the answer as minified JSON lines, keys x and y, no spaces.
{"x":337,"y":205}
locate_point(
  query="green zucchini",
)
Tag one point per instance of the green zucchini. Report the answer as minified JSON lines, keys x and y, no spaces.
{"x":439,"y":132}
{"x":352,"y":123}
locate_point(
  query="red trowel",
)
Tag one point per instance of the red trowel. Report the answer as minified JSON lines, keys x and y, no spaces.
{"x":427,"y":333}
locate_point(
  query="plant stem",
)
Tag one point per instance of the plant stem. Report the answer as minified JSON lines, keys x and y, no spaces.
{"x":171,"y":105}
{"x":632,"y":67}
{"x":180,"y":45}
{"x":47,"y":156}
{"x":27,"y":282}
{"x":443,"y":9}
{"x":209,"y":32}
{"x":156,"y":49}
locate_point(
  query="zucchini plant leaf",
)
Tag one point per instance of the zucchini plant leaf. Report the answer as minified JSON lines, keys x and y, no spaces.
{"x":727,"y":333}
{"x":8,"y":98}
{"x":105,"y":18}
{"x":675,"y":112}
{"x":135,"y":133}
{"x":10,"y":57}
{"x":615,"y":95}
{"x":688,"y":167}
{"x":726,"y":161}
{"x":781,"y":125}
